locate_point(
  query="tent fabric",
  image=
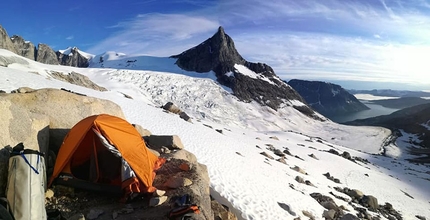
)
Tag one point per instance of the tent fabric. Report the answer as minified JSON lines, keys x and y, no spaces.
{"x":83,"y":146}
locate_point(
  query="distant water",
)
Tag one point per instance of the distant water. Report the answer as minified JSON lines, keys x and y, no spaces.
{"x":375,"y":110}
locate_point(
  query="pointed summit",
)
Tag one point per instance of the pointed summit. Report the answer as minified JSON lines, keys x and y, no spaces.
{"x":217,"y":53}
{"x":248,"y":81}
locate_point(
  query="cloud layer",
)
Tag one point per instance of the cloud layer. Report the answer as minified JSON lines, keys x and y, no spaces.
{"x":361,"y":40}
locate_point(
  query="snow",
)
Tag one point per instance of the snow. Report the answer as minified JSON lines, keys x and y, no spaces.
{"x":370,"y":97}
{"x":247,"y":72}
{"x":68,"y":52}
{"x":251,"y":184}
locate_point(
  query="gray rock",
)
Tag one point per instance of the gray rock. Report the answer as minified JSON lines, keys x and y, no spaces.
{"x":45,"y":115}
{"x":371,"y":202}
{"x":46,"y":55}
{"x":78,"y":216}
{"x":5,"y":41}
{"x":172,"y":108}
{"x":220,"y":212}
{"x":94,"y":214}
{"x":278,"y":152}
{"x":330,"y":214}
{"x":329,"y":205}
{"x":156,"y":201}
{"x":75,"y":58}
{"x":176,"y":182}
{"x":184,"y":116}
{"x":77,"y":79}
{"x":170,"y":141}
{"x":420,"y":217}
{"x":142,"y":131}
{"x":267,"y":155}
{"x":184,"y":155}
{"x":299,"y":179}
{"x":355,"y":194}
{"x":346,"y":155}
{"x":274,"y":138}
{"x":219,"y":54}
{"x":298,"y":169}
{"x":24,"y":48}
{"x":281,"y":160}
{"x":349,"y":217}
{"x":308,"y":214}
{"x":313,"y":156}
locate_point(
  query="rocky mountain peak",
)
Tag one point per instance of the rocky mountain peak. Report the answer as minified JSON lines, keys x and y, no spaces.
{"x":248,"y":81}
{"x":217,"y":53}
{"x":5,"y":41}
{"x":24,"y":48}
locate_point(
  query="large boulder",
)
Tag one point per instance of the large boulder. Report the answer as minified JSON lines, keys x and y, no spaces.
{"x":45,"y":54}
{"x":5,"y":41}
{"x":40,"y":119}
{"x":60,"y":110}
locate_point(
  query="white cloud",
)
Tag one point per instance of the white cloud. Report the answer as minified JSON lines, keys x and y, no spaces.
{"x":70,"y":37}
{"x":151,"y":33}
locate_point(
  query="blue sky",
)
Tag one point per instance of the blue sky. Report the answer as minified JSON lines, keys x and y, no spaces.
{"x":361,"y":44}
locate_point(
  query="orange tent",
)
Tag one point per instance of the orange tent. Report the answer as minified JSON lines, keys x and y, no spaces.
{"x":106,"y":153}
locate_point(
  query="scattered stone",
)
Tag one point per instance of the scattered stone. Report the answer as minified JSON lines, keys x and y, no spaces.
{"x":307,"y":182}
{"x":208,"y":126}
{"x":366,"y":174}
{"x":49,"y":194}
{"x":78,"y":216}
{"x":23,"y":90}
{"x":184,"y":116}
{"x":332,"y":151}
{"x":286,"y":208}
{"x":298,"y":157}
{"x":270,"y":147}
{"x":354,"y":193}
{"x":407,"y":194}
{"x":274,"y":138}
{"x":170,"y":141}
{"x":298,"y":169}
{"x":94,"y":213}
{"x":282,"y":160}
{"x":329,"y":214}
{"x":239,"y":154}
{"x":299,"y":179}
{"x":258,"y":138}
{"x":219,"y":131}
{"x":313,"y":156}
{"x":308,"y":214}
{"x":346,"y":155}
{"x":330,"y":205}
{"x":349,"y":216}
{"x":257,"y":146}
{"x":336,"y":180}
{"x":420,"y":217}
{"x":156,"y":201}
{"x":286,"y":151}
{"x":278,"y":152}
{"x":176,"y":182}
{"x":267,"y":155}
{"x":159,"y":192}
{"x":371,"y":202}
{"x":165,"y":150}
{"x":171,"y":108}
{"x":221,"y":212}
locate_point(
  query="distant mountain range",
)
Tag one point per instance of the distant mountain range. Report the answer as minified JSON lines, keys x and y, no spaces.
{"x":391,"y":93}
{"x":327,"y":98}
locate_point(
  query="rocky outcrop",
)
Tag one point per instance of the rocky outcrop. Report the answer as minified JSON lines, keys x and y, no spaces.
{"x":77,"y":79}
{"x":24,"y":48}
{"x":46,"y":55}
{"x":327,"y":98}
{"x":248,"y":81}
{"x":72,"y":57}
{"x":5,"y":41}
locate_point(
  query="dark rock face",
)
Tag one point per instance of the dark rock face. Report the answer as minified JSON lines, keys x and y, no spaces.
{"x":5,"y":42}
{"x":46,"y":55}
{"x":74,"y":58}
{"x":24,"y":48}
{"x":327,"y":98}
{"x":249,"y":81}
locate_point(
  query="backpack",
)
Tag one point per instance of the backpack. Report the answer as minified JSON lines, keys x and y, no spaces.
{"x":26,"y":184}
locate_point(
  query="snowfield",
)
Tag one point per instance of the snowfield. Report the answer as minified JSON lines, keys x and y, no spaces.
{"x":254,"y":186}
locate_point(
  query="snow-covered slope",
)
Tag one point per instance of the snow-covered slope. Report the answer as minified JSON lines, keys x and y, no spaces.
{"x":255,"y":186}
